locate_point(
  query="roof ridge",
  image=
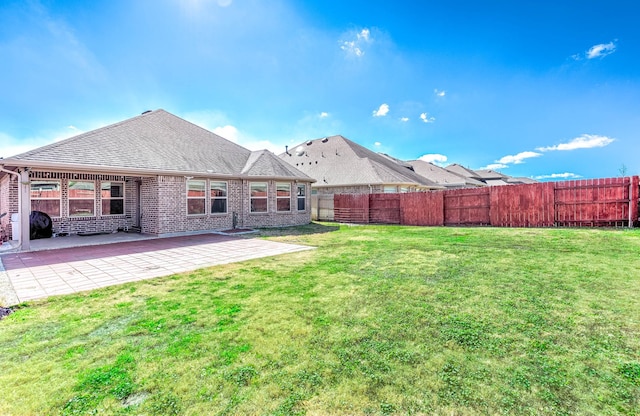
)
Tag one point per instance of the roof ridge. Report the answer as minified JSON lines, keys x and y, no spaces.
{"x":200,"y":127}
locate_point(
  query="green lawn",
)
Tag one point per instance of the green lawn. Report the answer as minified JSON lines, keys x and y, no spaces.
{"x":377,"y":320}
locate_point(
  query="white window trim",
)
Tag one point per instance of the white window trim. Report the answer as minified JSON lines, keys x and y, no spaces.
{"x":49,"y":199}
{"x":266,"y":197}
{"x":123,"y":197}
{"x":69,"y":199}
{"x":298,"y":197}
{"x":206,"y":194}
{"x":212,"y":197}
{"x":283,"y":197}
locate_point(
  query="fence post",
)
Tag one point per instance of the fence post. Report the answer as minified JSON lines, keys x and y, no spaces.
{"x":633,"y":200}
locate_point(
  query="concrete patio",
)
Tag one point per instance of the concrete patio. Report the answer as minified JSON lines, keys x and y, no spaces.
{"x":93,"y":264}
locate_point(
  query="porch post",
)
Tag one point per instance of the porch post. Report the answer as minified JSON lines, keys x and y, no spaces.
{"x":24,"y":195}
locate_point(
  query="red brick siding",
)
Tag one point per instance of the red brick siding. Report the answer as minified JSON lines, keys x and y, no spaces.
{"x":163,"y":209}
{"x":8,"y":201}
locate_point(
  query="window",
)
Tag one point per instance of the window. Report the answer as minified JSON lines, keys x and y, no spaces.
{"x":302,"y":197}
{"x":46,"y":197}
{"x":82,"y":199}
{"x":218,"y":197}
{"x":389,"y":189}
{"x":196,"y":197}
{"x":258,"y":197}
{"x":283,"y":196}
{"x":112,"y":195}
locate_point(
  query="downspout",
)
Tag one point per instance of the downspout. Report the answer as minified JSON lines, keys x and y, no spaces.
{"x":23,"y":231}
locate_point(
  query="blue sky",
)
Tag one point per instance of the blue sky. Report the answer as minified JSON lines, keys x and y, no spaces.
{"x":543,"y":89}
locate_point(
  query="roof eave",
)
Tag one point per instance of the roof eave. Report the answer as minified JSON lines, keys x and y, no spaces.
{"x":434,"y":187}
{"x":17,"y":163}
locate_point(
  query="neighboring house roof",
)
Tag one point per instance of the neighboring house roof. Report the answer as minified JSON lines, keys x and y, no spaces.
{"x":337,"y":161}
{"x":442,"y":176}
{"x":493,"y":178}
{"x":462,"y":171}
{"x":155,"y":142}
{"x":488,"y":176}
{"x":521,"y":180}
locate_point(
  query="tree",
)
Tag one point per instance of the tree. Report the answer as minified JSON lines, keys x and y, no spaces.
{"x":623,"y":170}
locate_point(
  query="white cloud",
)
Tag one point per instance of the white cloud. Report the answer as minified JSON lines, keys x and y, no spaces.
{"x":12,"y":146}
{"x":586,"y":141}
{"x":495,"y":166}
{"x":601,"y":50}
{"x":377,"y":144}
{"x":207,"y":119}
{"x":381,"y":111}
{"x":253,"y":145}
{"x":228,"y":132}
{"x":517,"y":159}
{"x":404,"y":119}
{"x":355,"y":47}
{"x":434,"y":158}
{"x":439,"y":93}
{"x":324,"y":114}
{"x":566,"y":175}
{"x":425,"y":117}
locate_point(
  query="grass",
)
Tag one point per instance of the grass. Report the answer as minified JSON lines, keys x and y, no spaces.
{"x":378,"y":320}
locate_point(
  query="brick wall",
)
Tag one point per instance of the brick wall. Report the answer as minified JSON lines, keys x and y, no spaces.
{"x":95,"y":223}
{"x":163,"y":206}
{"x":170,"y":213}
{"x":149,"y":213}
{"x":8,"y":202}
{"x":272,"y":218}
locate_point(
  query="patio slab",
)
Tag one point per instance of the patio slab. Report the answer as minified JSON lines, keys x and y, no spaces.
{"x":39,"y":274}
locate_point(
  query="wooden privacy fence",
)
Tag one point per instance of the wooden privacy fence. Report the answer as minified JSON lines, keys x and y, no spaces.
{"x":584,"y":203}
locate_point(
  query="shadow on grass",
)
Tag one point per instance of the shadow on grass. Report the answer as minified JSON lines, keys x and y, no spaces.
{"x":309,"y":229}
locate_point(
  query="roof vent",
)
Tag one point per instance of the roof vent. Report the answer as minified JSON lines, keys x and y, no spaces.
{"x":299,"y":151}
{"x":145,"y":112}
{"x":310,"y":142}
{"x":326,"y":139}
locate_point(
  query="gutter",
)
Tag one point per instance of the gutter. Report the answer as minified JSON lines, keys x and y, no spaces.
{"x":110,"y":170}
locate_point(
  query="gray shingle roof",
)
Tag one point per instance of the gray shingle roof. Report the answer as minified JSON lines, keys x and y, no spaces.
{"x":490,"y":174}
{"x":337,"y":161}
{"x":442,"y":176}
{"x":462,"y":171}
{"x":154,"y":141}
{"x":265,"y":163}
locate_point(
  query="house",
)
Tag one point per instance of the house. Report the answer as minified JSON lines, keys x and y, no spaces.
{"x":491,"y":177}
{"x":341,"y":166}
{"x":156,"y":173}
{"x":488,"y":176}
{"x":444,"y":177}
{"x":464,"y":172}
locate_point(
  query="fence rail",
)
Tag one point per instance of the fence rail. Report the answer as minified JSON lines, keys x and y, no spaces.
{"x":593,"y":202}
